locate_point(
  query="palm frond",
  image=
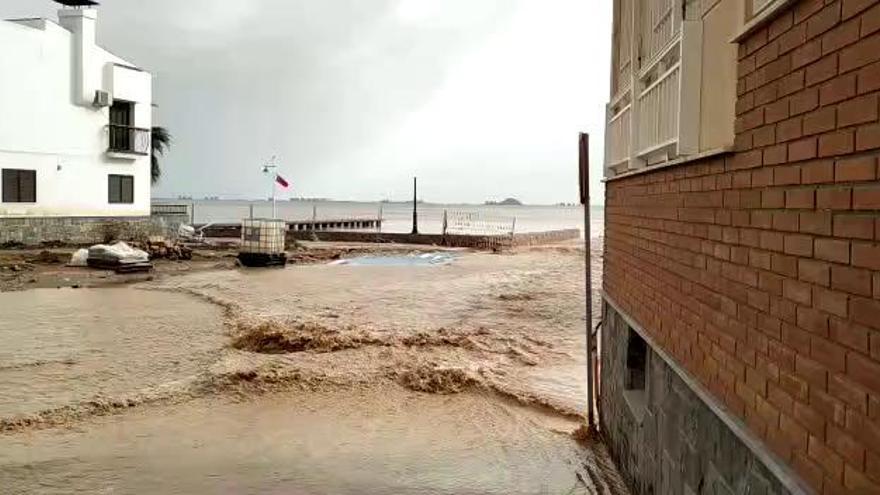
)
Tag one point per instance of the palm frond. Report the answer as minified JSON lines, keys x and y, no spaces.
{"x":161,"y":141}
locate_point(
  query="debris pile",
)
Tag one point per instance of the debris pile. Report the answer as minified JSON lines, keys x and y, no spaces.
{"x":160,"y":248}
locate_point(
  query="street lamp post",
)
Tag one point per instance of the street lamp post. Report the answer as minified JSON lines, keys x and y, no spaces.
{"x":269,"y":169}
{"x":415,"y":229}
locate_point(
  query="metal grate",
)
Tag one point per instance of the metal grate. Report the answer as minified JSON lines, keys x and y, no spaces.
{"x":263,"y":236}
{"x":170,"y":209}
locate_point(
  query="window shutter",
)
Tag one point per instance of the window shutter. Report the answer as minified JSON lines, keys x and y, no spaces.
{"x":114,"y":195}
{"x":120,"y":189}
{"x":128,"y":189}
{"x":27,"y":186}
{"x":10,"y":186}
{"x":19,"y":186}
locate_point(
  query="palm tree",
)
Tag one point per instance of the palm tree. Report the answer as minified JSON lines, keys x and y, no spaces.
{"x":161,"y":141}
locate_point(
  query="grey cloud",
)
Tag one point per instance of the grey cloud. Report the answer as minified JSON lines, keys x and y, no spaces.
{"x":315,"y":82}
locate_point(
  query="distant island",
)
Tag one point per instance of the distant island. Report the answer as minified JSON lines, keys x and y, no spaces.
{"x":506,"y":202}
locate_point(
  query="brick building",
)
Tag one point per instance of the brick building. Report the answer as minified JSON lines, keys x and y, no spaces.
{"x":741,"y":337}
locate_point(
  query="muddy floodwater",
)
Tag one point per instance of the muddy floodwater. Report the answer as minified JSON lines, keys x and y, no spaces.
{"x":464,"y":375}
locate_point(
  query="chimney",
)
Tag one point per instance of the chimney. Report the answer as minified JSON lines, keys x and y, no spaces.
{"x":82,"y":22}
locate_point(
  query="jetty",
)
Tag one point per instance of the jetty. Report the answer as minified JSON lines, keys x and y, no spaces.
{"x":229,"y":229}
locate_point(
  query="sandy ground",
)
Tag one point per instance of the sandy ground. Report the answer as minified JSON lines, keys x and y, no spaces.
{"x":499,"y":339}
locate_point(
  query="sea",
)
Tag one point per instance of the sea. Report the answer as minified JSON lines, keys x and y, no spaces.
{"x":398,"y":217}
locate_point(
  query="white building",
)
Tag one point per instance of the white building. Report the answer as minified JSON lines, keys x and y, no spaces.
{"x":74,"y":121}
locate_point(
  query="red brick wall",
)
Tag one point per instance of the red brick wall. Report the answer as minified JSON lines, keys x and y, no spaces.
{"x":760,"y":271}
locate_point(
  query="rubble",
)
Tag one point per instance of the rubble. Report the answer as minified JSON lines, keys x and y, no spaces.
{"x":161,"y":248}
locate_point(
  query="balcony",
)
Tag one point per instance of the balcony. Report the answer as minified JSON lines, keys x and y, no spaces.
{"x":654,"y":116}
{"x":128,"y":142}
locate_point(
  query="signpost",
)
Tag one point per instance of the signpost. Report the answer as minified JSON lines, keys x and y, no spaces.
{"x":584,"y":176}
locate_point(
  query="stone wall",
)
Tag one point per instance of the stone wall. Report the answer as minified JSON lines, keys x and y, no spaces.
{"x":671,"y":441}
{"x":36,"y":231}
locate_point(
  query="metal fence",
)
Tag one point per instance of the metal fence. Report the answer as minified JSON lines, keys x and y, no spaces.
{"x":498,"y":230}
{"x":170,"y":209}
{"x":127,"y":139}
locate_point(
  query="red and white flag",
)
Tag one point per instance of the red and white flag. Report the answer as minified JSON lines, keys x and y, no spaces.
{"x":281,"y":181}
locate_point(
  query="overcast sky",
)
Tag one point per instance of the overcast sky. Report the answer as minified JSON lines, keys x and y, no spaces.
{"x":481,"y":99}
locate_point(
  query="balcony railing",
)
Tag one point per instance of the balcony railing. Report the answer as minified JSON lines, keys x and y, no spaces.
{"x":618,"y":137}
{"x":624,"y":39}
{"x":659,"y":112}
{"x":168,"y":209}
{"x":128,"y":140}
{"x":660,"y":27}
{"x":654,"y":116}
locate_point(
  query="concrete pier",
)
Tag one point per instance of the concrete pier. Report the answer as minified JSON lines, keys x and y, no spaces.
{"x":350,"y":224}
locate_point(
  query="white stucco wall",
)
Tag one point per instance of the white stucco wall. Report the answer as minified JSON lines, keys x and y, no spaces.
{"x":45,"y":127}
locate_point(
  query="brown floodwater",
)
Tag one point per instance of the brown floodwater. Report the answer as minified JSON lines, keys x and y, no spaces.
{"x":463,"y":377}
{"x":384,"y":440}
{"x":65,"y":346}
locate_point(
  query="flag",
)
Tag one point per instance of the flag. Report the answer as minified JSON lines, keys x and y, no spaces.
{"x":281,"y":182}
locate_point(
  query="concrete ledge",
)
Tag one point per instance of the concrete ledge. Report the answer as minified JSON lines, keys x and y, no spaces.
{"x":468,"y":241}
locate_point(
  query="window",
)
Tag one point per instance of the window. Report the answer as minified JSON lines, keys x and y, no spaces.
{"x":634,"y":386}
{"x":120,"y":122}
{"x":121,"y":189}
{"x":121,"y":113}
{"x":19,"y":186}
{"x":636,"y":357}
{"x":124,"y":137}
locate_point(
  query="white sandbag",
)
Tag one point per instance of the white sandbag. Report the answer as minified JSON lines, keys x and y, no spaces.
{"x":120,"y":251}
{"x":79,"y":258}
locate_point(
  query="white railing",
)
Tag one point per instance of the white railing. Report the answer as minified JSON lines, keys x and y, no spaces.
{"x":619,"y":137}
{"x":660,"y":26}
{"x":624,"y":46}
{"x":658,"y":107}
{"x":654,"y":113}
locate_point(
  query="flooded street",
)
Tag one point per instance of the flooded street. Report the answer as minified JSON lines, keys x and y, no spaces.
{"x":379,"y":441}
{"x":62,"y":347}
{"x":465,"y":376}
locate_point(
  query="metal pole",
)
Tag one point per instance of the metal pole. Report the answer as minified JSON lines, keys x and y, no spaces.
{"x":192,"y":212}
{"x":415,"y":229}
{"x":270,"y":171}
{"x":585,"y":201}
{"x":274,"y":213}
{"x":381,"y":212}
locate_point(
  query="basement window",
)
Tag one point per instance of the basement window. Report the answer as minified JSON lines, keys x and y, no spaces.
{"x":121,"y":189}
{"x":19,"y":186}
{"x":635,"y":378}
